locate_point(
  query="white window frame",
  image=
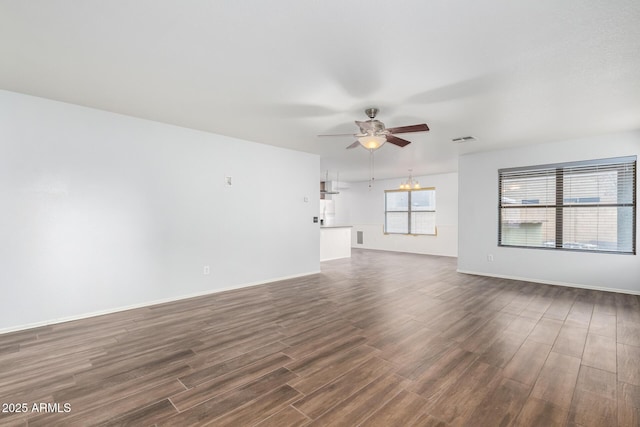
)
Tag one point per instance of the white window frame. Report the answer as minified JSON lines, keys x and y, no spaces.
{"x":409,"y":211}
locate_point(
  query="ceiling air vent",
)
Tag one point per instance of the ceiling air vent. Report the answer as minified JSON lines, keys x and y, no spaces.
{"x":464,"y":139}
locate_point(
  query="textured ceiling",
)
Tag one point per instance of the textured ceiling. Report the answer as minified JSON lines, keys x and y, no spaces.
{"x":283,"y":71}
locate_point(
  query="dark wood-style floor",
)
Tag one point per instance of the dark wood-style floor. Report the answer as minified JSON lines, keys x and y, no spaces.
{"x":381,"y":339}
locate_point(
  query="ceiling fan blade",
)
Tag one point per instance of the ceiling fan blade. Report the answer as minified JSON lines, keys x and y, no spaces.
{"x":397,"y":141}
{"x":354,"y":145}
{"x":338,"y":134}
{"x":406,"y":129}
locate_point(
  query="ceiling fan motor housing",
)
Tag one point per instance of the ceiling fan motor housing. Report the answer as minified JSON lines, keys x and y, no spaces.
{"x":371,"y":127}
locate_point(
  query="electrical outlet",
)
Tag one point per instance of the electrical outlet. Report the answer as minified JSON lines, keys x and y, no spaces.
{"x":206,"y":270}
{"x":490,"y":257}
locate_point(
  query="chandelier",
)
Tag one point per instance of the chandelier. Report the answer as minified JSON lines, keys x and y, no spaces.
{"x":410,"y":183}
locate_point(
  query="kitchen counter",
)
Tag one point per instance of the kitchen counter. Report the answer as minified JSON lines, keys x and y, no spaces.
{"x":335,"y":242}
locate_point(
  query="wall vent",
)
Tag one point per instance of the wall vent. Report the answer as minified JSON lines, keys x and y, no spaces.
{"x":464,"y":139}
{"x":359,"y":239}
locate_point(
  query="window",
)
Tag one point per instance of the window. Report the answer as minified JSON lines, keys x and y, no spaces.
{"x":588,"y":206}
{"x":410,"y":211}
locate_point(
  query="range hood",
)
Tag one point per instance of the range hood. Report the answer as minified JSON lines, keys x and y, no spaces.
{"x":329,"y":187}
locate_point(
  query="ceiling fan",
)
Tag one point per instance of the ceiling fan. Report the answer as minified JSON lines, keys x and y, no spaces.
{"x":373,"y":134}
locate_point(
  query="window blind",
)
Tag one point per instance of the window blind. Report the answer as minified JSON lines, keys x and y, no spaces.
{"x":589,"y":206}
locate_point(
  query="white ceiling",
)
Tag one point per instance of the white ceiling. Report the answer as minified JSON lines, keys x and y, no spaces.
{"x":282,"y":71}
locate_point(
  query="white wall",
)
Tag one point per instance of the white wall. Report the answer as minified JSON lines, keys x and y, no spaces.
{"x":363,"y":207}
{"x":102,"y":211}
{"x":479,"y":220}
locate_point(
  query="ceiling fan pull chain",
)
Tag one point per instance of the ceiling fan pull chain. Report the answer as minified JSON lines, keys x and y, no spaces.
{"x":371,"y":169}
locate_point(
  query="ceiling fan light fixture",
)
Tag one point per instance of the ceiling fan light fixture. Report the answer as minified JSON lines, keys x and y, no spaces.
{"x":372,"y":142}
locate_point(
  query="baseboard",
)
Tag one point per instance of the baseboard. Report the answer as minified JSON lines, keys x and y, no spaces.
{"x":333,"y":259}
{"x":148,"y":304}
{"x":357,"y":246}
{"x":551,"y":282}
